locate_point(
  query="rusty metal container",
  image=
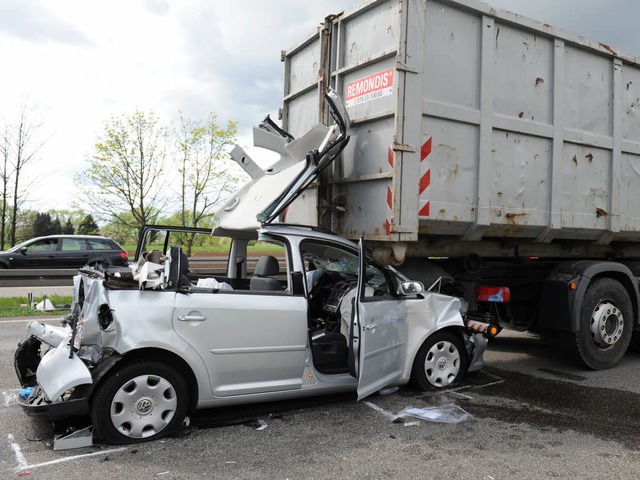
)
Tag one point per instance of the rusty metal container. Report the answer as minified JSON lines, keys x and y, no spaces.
{"x":474,"y":130}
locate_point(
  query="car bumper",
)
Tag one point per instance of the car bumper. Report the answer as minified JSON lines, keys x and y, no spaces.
{"x":35,"y":405}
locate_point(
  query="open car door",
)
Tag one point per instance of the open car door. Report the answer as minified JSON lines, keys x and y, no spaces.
{"x":378,"y":330}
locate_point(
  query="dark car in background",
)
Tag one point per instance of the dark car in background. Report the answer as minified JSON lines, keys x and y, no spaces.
{"x":64,"y":251}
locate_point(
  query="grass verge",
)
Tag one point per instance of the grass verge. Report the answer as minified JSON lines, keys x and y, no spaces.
{"x":19,"y":306}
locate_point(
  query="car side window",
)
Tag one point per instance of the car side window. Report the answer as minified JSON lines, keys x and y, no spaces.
{"x":72,"y":244}
{"x":48,"y":245}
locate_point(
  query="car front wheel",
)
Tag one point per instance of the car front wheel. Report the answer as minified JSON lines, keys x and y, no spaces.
{"x":139,"y":402}
{"x":441,"y":362}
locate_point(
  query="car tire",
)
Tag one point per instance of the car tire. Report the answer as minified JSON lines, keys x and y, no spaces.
{"x":606,"y":324}
{"x":139,"y":402}
{"x":441,"y":362}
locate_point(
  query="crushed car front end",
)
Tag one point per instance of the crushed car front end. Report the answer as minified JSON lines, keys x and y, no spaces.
{"x":56,"y":369}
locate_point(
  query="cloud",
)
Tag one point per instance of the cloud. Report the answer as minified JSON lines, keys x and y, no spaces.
{"x":31,"y":21}
{"x":233,"y":48}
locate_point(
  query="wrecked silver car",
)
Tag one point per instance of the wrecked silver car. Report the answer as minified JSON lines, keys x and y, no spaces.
{"x":145,"y":346}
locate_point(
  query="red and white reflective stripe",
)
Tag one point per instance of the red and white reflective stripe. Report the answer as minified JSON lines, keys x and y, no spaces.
{"x":425,"y":179}
{"x":387,"y":222}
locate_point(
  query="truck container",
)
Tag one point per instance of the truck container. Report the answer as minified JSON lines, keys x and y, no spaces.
{"x":486,"y":149}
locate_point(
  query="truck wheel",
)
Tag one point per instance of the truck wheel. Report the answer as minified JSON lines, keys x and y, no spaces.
{"x":441,"y":362}
{"x":606,"y":320}
{"x":140,"y":402}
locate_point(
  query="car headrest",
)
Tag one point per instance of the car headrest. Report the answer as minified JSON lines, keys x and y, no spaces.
{"x":267,"y":265}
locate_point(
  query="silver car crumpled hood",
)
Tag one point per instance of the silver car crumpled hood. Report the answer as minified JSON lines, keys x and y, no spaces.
{"x":60,"y":370}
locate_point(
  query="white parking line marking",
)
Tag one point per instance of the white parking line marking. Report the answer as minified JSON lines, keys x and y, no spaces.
{"x":492,"y":383}
{"x":68,"y":459}
{"x":389,"y":415}
{"x":29,"y":320}
{"x":22,"y":462}
{"x":463,"y":396}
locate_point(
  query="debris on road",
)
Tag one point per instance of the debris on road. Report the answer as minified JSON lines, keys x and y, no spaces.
{"x":448,"y":413}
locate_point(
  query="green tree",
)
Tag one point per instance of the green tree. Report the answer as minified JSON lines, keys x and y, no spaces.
{"x":56,"y":226}
{"x":88,"y":226}
{"x":125,"y":171}
{"x":206,"y":172}
{"x":19,"y":148}
{"x":26,"y":219}
{"x":121,"y":232}
{"x":68,"y":228}
{"x":43,"y":225}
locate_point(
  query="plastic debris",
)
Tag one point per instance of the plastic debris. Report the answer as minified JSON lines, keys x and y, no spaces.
{"x":75,"y":439}
{"x":45,"y":305}
{"x":411,"y":424}
{"x":448,"y":413}
{"x":25,"y":392}
{"x":262,"y":426}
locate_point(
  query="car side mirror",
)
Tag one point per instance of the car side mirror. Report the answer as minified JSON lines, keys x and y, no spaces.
{"x":23,"y":250}
{"x":411,"y":288}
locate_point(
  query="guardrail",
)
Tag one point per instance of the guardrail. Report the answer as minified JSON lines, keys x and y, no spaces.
{"x":37,"y":277}
{"x":57,"y":277}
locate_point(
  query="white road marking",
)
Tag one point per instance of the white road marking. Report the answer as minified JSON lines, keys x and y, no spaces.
{"x":67,"y":459}
{"x":28,"y":320}
{"x":457,"y":390}
{"x":463,"y":396}
{"x":22,"y":462}
{"x":492,"y":383}
{"x":389,"y":415}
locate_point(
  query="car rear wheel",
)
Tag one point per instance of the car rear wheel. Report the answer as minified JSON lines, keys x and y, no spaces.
{"x":440,"y":363}
{"x":140,"y":402}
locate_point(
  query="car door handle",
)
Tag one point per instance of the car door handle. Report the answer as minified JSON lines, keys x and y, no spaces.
{"x":191,"y":318}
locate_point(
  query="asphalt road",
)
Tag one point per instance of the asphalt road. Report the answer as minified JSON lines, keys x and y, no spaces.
{"x":534,"y":415}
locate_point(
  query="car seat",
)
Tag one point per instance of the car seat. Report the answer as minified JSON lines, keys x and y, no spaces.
{"x":178,"y":266}
{"x":266,"y":267}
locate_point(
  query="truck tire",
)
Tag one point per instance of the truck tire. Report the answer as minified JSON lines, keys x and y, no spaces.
{"x":139,"y":402}
{"x":606,"y":324}
{"x":440,"y":363}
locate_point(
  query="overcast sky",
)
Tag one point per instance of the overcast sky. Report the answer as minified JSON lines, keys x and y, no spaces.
{"x":78,"y":62}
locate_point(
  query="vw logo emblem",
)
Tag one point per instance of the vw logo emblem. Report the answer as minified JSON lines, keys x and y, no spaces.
{"x":144,"y":406}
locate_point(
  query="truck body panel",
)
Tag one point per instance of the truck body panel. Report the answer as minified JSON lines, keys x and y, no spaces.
{"x":471,"y":125}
